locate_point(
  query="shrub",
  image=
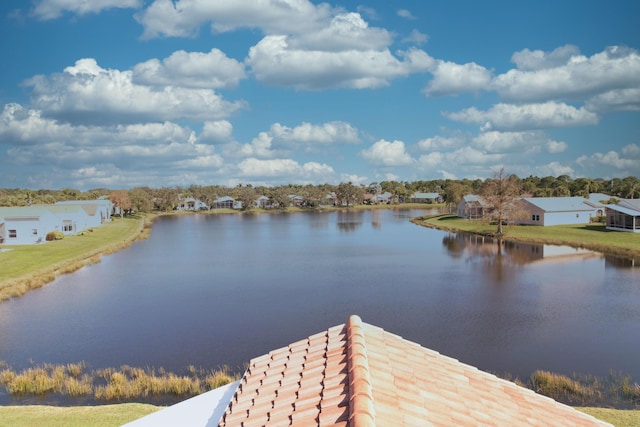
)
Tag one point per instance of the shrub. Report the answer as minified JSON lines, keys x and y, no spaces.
{"x":55,"y":235}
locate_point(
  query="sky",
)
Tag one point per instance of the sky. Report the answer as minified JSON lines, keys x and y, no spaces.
{"x":172,"y":93}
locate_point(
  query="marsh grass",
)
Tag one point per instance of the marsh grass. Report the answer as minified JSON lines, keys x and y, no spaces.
{"x":563,"y":387}
{"x":108,"y":384}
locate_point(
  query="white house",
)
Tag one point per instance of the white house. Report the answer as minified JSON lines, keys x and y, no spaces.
{"x":73,"y":218}
{"x":100,"y":210}
{"x":624,"y":216}
{"x":191,"y":204}
{"x":26,"y":225}
{"x":556,"y":211}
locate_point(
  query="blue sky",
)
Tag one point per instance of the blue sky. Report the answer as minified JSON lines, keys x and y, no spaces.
{"x":126,"y":93}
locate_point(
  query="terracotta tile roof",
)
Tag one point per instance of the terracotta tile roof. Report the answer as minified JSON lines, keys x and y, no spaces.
{"x":357,"y":375}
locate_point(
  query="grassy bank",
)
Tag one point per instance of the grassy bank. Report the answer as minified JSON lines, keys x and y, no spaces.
{"x":27,"y":267}
{"x":588,"y":236}
{"x":78,"y":416}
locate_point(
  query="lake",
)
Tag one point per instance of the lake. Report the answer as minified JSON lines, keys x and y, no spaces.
{"x":212,"y":290}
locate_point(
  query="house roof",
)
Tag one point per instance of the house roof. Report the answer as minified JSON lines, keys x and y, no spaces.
{"x":559,"y":204}
{"x":418,"y":195}
{"x":23,"y":212}
{"x":357,"y":374}
{"x":627,"y":211}
{"x":630,"y":203}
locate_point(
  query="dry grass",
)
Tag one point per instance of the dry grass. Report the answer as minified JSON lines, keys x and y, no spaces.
{"x":124,"y":384}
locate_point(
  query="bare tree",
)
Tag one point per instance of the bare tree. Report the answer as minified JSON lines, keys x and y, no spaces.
{"x":502,"y":193}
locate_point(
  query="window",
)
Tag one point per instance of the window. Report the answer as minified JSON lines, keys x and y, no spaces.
{"x":67,"y":227}
{"x":35,"y":231}
{"x":535,"y":217}
{"x":13,"y":234}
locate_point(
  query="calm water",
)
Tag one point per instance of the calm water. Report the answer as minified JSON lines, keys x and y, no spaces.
{"x":221,"y":289}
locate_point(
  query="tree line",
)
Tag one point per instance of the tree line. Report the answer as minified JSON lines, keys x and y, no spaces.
{"x":146,"y":199}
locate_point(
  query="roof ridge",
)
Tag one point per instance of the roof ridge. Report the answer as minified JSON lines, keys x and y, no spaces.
{"x":361,"y":408}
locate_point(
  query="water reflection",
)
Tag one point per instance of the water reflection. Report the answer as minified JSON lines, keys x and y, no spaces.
{"x":501,"y":260}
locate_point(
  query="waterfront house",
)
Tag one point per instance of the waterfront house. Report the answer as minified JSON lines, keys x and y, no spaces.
{"x":26,"y":225}
{"x":418,"y":197}
{"x":73,"y":218}
{"x":263,"y":202}
{"x":624,"y":216}
{"x":99,"y":210}
{"x":356,"y":374}
{"x":225,"y":202}
{"x":556,"y":211}
{"x":191,"y":204}
{"x":472,"y":207}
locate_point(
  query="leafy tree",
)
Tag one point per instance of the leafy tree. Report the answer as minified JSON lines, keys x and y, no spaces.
{"x":121,"y":201}
{"x":246,"y":195}
{"x":279,"y":197}
{"x":141,"y":199}
{"x":454,"y":191}
{"x":502,"y":194}
{"x":349,"y":194}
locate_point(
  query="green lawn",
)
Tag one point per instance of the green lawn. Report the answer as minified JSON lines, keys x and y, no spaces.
{"x":26,"y":267}
{"x":590,"y":236}
{"x":116,"y":415}
{"x":77,"y":416}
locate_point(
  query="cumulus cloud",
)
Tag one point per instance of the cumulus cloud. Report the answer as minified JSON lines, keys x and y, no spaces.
{"x":451,"y":79}
{"x":385,"y":153}
{"x":524,"y":117}
{"x":626,"y":162}
{"x":210,"y":70}
{"x":52,"y":9}
{"x":274,"y":61}
{"x":461,"y":157}
{"x":527,"y":142}
{"x":404,"y":13}
{"x":183,"y":18}
{"x":553,"y":169}
{"x":528,"y":60}
{"x":287,"y":169}
{"x":217,"y":131}
{"x":327,"y":133}
{"x":89,"y":92}
{"x":438,"y":143}
{"x":347,"y":31}
{"x":615,"y":100}
{"x":416,"y":37}
{"x":564,"y":74}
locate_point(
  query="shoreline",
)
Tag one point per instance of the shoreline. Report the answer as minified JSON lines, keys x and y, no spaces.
{"x":626,"y":252}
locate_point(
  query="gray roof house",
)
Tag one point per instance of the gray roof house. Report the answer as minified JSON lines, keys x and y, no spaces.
{"x":624,"y":216}
{"x":556,"y":211}
{"x":419,"y":197}
{"x":472,"y":207}
{"x":26,"y":225}
{"x":356,"y":374}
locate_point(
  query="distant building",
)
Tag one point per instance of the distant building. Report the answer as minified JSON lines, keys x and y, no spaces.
{"x":472,"y":207}
{"x":418,"y":197}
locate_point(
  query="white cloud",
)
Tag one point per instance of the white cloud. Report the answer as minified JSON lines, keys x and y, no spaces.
{"x":553,"y":169}
{"x":345,"y":32}
{"x":451,"y":79}
{"x":289,"y":170}
{"x":579,"y":77}
{"x":217,"y":131}
{"x":191,"y":69}
{"x":523,"y":117}
{"x":625,"y":163}
{"x":183,"y":18}
{"x":88,"y":92}
{"x":51,"y":9}
{"x":528,"y":142}
{"x":327,"y":133}
{"x":528,"y":60}
{"x":615,"y":100}
{"x":274,"y":61}
{"x":416,"y":37}
{"x":404,"y":13}
{"x":438,"y":143}
{"x":387,"y":153}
